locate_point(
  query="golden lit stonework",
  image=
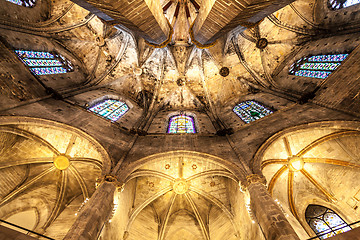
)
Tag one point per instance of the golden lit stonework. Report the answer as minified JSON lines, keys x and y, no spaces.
{"x":180,"y":186}
{"x":295,"y":163}
{"x":61,"y":162}
{"x":137,"y":71}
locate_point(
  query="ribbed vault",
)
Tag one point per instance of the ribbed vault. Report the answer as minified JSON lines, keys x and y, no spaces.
{"x":47,"y":167}
{"x":180,"y":196}
{"x":314,"y":165}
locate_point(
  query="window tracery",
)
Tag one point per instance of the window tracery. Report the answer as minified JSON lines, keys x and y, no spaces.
{"x":44,"y":63}
{"x":250,"y":111}
{"x":325,"y":222}
{"x":181,"y":124}
{"x":25,"y":3}
{"x":110,"y":109}
{"x":317,"y":66}
{"x":339,"y":4}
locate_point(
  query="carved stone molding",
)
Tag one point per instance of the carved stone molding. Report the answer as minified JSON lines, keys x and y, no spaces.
{"x":111,"y":179}
{"x":252,"y":178}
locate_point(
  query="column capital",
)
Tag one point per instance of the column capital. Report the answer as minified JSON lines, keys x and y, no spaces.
{"x":110,"y":179}
{"x":252,"y":178}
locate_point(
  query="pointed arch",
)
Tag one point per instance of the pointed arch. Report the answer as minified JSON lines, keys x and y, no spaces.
{"x":325,"y":222}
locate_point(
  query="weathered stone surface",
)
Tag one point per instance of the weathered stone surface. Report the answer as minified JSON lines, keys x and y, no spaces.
{"x":141,"y":16}
{"x":270,"y":217}
{"x":217,"y":17}
{"x":94,"y":215}
{"x":10,"y":234}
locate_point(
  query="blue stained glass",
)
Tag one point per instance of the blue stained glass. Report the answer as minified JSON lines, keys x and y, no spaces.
{"x":349,"y":3}
{"x":318,"y":66}
{"x":334,"y":221}
{"x":337,"y":4}
{"x":48,"y":70}
{"x":250,"y":111}
{"x":328,"y":58}
{"x":18,"y":2}
{"x":33,"y":54}
{"x":313,"y":74}
{"x":325,"y":222}
{"x":97,"y":108}
{"x":110,"y":109}
{"x":118,"y":113}
{"x":26,"y":3}
{"x":181,"y":124}
{"x":105,"y":112}
{"x":44,"y":63}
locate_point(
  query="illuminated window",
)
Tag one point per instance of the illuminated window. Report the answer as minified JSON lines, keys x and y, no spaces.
{"x":338,"y":4}
{"x":110,"y":109}
{"x":25,"y":3}
{"x":318,"y":66}
{"x":250,"y":111}
{"x":44,"y":63}
{"x":181,"y":124}
{"x":325,"y":222}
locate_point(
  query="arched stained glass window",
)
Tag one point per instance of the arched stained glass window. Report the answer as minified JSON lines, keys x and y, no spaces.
{"x":110,"y":109}
{"x":250,"y":111}
{"x":44,"y":63}
{"x":338,"y":4}
{"x":324,"y":221}
{"x":317,"y":66}
{"x":181,"y":124}
{"x":25,"y":3}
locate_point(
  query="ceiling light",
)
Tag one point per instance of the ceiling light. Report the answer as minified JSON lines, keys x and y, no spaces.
{"x":137,"y":71}
{"x":61,"y":162}
{"x":180,"y":186}
{"x":296,"y":163}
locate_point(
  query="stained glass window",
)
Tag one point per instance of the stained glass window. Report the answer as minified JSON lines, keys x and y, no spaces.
{"x":325,"y":222}
{"x":25,"y":3}
{"x":181,"y":124}
{"x":110,"y":109}
{"x":250,"y":111}
{"x":318,"y":66}
{"x":44,"y":63}
{"x":338,"y":4}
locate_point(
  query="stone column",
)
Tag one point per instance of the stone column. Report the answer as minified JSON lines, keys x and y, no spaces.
{"x":271,"y":219}
{"x":95,"y":212}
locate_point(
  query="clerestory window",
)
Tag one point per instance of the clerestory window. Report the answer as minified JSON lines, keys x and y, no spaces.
{"x":110,"y":109}
{"x":338,"y":4}
{"x":325,"y":222}
{"x":317,"y":66}
{"x":25,"y":3}
{"x":250,"y":111}
{"x":44,"y":63}
{"x":181,"y":124}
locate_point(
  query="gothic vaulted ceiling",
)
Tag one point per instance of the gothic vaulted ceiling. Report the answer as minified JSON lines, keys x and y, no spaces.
{"x":56,"y":169}
{"x":179,"y":75}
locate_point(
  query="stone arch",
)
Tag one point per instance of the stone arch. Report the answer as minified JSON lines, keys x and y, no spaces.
{"x":12,"y":120}
{"x":64,"y":162}
{"x":255,"y":163}
{"x":331,"y":206}
{"x":200,"y":172}
{"x":236,"y":170}
{"x":326,"y":155}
